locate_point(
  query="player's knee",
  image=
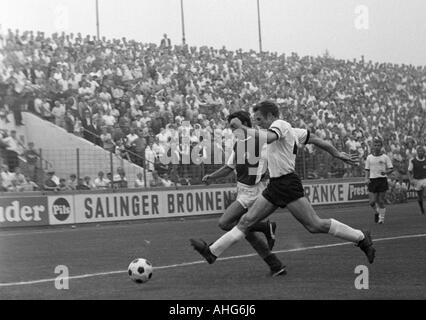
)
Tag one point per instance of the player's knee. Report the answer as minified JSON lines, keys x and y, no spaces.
{"x":312,"y":229}
{"x":372,"y":203}
{"x":225,"y":225}
{"x":246,"y":223}
{"x":381,"y":203}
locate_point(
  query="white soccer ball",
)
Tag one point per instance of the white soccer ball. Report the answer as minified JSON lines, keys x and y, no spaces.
{"x":140,"y":270}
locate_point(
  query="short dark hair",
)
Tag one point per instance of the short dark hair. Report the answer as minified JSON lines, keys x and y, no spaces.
{"x":378,"y":140}
{"x":266,"y":107}
{"x":243,"y":116}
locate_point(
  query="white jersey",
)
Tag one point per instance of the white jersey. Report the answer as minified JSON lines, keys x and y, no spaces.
{"x":378,"y":165}
{"x":282,"y":152}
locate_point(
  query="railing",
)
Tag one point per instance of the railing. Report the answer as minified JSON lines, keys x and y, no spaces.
{"x":318,"y":164}
{"x":133,"y":157}
{"x":34,"y":171}
{"x":314,"y":164}
{"x":181,"y":173}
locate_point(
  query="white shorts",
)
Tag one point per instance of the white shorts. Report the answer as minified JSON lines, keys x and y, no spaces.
{"x":419,"y":184}
{"x":247,"y":195}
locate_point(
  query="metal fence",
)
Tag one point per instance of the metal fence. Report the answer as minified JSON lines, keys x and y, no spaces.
{"x":318,"y":164}
{"x":310,"y":164}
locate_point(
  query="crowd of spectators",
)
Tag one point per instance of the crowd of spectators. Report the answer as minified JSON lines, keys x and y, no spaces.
{"x":134,"y":99}
{"x":18,"y":164}
{"x":101,"y":182}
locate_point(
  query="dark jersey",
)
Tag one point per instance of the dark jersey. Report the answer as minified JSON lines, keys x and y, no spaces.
{"x":248,"y":158}
{"x":418,"y":167}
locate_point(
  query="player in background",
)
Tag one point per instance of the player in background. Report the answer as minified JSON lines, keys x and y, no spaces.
{"x":417,"y":174}
{"x":285,"y":188}
{"x":377,"y":167}
{"x":251,"y":181}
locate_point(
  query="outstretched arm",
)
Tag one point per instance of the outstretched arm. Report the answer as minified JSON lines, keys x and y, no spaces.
{"x":327,"y":146}
{"x":222,"y":172}
{"x":264,"y":135}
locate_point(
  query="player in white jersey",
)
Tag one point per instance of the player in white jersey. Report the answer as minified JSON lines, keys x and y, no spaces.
{"x":377,"y":167}
{"x":249,"y":187}
{"x":285,"y":188}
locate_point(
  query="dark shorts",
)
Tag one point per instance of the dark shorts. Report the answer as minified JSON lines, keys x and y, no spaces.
{"x":378,"y":185}
{"x":284,"y":190}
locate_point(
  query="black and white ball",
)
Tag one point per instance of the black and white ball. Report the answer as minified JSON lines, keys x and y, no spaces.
{"x":140,"y":270}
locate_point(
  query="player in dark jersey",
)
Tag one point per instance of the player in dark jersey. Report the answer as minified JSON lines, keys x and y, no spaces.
{"x":417,"y":174}
{"x":251,"y":181}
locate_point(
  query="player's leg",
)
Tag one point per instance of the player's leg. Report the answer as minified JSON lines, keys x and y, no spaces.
{"x":230,"y":219}
{"x":372,"y":200}
{"x":381,"y":206}
{"x":268,"y":228}
{"x":261,"y":209}
{"x":262,"y":249}
{"x":231,"y":216}
{"x":234,"y":212}
{"x":302,"y":210}
{"x":257,"y":212}
{"x":381,"y":189}
{"x":420,"y":199}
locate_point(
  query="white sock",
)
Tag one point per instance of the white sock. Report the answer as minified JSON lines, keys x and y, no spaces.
{"x":227,"y":240}
{"x":381,"y":212}
{"x":345,"y":232}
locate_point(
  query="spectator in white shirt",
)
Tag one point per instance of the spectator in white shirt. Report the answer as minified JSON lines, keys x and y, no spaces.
{"x":109,"y":119}
{"x":6,"y":176}
{"x":139,"y":182}
{"x":166,"y":181}
{"x":58,"y":111}
{"x":132,"y":136}
{"x":101,"y":182}
{"x":14,"y":148}
{"x":85,"y":90}
{"x":150,"y":156}
{"x":105,"y":95}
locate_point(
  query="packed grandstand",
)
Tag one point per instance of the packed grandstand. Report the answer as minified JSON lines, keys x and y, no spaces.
{"x":133,"y":99}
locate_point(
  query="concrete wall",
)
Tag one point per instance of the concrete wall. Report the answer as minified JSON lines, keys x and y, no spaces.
{"x":60,"y":148}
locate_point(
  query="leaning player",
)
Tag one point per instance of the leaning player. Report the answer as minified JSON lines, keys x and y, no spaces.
{"x":285,"y":187}
{"x":417,"y":174}
{"x":377,"y":167}
{"x":251,"y":181}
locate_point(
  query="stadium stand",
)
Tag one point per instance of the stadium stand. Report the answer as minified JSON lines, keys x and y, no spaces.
{"x":133,"y":99}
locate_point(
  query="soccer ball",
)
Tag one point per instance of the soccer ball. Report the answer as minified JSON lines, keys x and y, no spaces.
{"x":140,"y":270}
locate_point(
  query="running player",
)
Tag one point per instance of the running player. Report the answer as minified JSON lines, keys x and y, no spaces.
{"x":417,"y":174}
{"x":285,"y":188}
{"x":251,"y":181}
{"x":377,"y":167}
